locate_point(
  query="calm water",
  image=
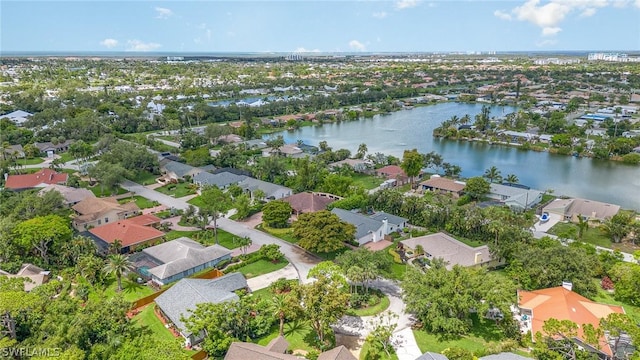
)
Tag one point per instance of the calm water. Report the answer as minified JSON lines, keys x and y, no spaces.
{"x":606,"y":181}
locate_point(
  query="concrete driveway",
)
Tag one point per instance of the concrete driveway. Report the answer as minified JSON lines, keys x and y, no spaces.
{"x":260,"y":282}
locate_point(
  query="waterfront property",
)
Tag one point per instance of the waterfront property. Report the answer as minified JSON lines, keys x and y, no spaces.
{"x":443,"y":186}
{"x":186,"y":294}
{"x":594,"y":212}
{"x":516,"y":197}
{"x":452,"y":251}
{"x":177,"y":259}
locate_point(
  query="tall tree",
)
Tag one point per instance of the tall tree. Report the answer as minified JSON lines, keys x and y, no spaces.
{"x":117,"y":265}
{"x":276,"y":214}
{"x":512,"y":179}
{"x":216,"y":202}
{"x":43,"y":235}
{"x":477,"y":187}
{"x":412,"y":162}
{"x":322,"y":231}
{"x":362,"y":151}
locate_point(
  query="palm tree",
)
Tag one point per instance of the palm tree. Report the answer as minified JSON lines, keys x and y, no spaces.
{"x":512,"y":179}
{"x":362,"y":151}
{"x":117,"y":265}
{"x":492,"y":174}
{"x":115,"y":247}
{"x":280,"y":305}
{"x":583,"y":225}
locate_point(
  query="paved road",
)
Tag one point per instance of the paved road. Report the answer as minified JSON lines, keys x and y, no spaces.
{"x":155,"y":195}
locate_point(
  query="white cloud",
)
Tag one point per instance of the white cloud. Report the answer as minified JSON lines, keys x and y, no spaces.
{"x":550,"y":31}
{"x":137,"y":45}
{"x":406,"y":4}
{"x":304,"y":50}
{"x":163,"y":13}
{"x":109,"y":43}
{"x":588,"y":12}
{"x":502,"y":15}
{"x":356,"y":45}
{"x":637,"y":3}
{"x":549,"y":14}
{"x":379,"y":15}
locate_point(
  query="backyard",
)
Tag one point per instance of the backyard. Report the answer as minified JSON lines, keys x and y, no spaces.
{"x":205,"y":237}
{"x":366,"y":181}
{"x":593,"y":236}
{"x":131,"y":291}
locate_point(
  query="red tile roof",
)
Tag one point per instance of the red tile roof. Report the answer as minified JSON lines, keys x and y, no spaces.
{"x":562,"y":304}
{"x":145,"y":220}
{"x":391,"y":171}
{"x":128,"y":231}
{"x":26,"y":181}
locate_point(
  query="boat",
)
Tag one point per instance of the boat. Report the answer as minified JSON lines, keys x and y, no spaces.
{"x":545,"y":217}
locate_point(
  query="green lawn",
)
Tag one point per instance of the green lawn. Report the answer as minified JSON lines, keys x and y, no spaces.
{"x":131,"y":291}
{"x":397,"y":271}
{"x":298,"y":333}
{"x":285,"y":234}
{"x":261,"y":267}
{"x":142,"y":202}
{"x":592,"y":236}
{"x":372,"y":310}
{"x":144,"y":178}
{"x":97,"y":191}
{"x":367,"y":181}
{"x":33,"y":161}
{"x":147,"y":318}
{"x":606,"y":298}
{"x":482,"y":333}
{"x":66,"y":157}
{"x":178,"y":190}
{"x":225,"y":239}
{"x":196,"y":201}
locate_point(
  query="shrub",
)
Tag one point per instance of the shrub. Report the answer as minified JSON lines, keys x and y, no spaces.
{"x":606,"y":283}
{"x":281,"y":285}
{"x":631,"y":158}
{"x":396,"y":257}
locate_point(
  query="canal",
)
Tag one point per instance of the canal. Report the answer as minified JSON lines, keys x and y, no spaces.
{"x":600,"y":180}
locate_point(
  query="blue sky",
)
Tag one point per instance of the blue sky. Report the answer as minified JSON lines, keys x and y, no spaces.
{"x":325,"y":26}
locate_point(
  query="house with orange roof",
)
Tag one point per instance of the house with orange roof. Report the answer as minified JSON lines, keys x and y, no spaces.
{"x":131,"y":233}
{"x":92,"y":212}
{"x":561,"y":303}
{"x":39,"y":179}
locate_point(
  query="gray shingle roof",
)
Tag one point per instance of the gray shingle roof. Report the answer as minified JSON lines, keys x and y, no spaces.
{"x":220,"y":180}
{"x":454,"y":252}
{"x":432,"y":356}
{"x":181,"y":255}
{"x":392,"y":219}
{"x":178,"y":168}
{"x":504,"y":356}
{"x":187,"y":293}
{"x":363,"y":224}
{"x":270,"y":189}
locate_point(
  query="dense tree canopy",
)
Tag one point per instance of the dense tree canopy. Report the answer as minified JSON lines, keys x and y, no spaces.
{"x":322,"y":231}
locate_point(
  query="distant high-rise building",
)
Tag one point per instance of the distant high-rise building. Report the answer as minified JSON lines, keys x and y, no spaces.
{"x":294,"y":57}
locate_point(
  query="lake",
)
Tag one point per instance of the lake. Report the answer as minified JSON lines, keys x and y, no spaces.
{"x":601,"y":180}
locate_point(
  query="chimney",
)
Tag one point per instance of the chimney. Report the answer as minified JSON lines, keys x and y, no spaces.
{"x":567,"y":285}
{"x":385,"y":227}
{"x":6,"y":175}
{"x":478,"y":258}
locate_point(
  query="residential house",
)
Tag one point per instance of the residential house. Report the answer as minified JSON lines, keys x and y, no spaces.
{"x":516,"y":197}
{"x":271,"y":191}
{"x":394,"y":223}
{"x":19,"y":117}
{"x":71,"y":195}
{"x":50,"y":148}
{"x":367,"y":229}
{"x":561,"y":303}
{"x":177,"y":259}
{"x":308,"y":202}
{"x":16,"y":151}
{"x":395,"y":172}
{"x":443,"y":185}
{"x":92,"y":212}
{"x":39,"y":179}
{"x":131,"y":233}
{"x":174,"y":170}
{"x":432,"y":356}
{"x":186,"y":294}
{"x":288,"y":150}
{"x":32,"y":275}
{"x":276,"y":350}
{"x":594,"y":212}
{"x":358,"y":165}
{"x":452,"y":251}
{"x":222,"y":180}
